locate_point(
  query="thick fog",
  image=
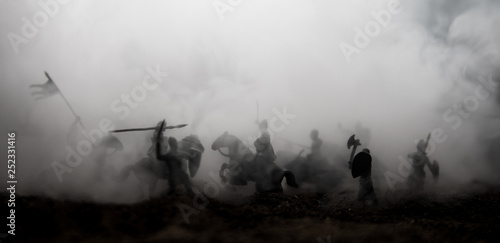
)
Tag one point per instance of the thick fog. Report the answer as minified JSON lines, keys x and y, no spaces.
{"x":389,"y":71}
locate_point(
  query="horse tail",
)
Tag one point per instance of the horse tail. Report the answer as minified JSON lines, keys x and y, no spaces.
{"x":290,"y":179}
{"x":124,"y":173}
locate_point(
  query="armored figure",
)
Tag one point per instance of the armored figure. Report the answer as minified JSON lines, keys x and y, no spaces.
{"x":362,"y":168}
{"x":419,"y":159}
{"x":265,"y":150}
{"x":176,"y":175}
{"x":315,"y":146}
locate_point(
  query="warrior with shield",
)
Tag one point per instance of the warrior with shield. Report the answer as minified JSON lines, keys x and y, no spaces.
{"x":419,"y":159}
{"x":364,"y":161}
{"x":176,"y":175}
{"x":361,"y":166}
{"x":166,"y":161}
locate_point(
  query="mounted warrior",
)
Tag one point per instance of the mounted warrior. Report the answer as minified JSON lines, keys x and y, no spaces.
{"x":263,"y":146}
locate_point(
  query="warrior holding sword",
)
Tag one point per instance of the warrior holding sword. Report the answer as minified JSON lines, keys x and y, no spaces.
{"x":263,"y":146}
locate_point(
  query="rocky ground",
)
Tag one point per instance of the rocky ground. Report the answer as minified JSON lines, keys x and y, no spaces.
{"x":298,"y":217}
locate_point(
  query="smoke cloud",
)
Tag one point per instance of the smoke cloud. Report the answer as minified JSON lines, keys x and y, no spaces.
{"x":410,"y":68}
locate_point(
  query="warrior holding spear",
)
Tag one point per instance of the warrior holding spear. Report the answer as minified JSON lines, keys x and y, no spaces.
{"x":416,"y":178}
{"x":105,"y":147}
{"x":174,"y":163}
{"x":165,"y":161}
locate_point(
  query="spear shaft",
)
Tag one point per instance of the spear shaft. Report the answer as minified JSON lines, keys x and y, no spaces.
{"x":147,"y":128}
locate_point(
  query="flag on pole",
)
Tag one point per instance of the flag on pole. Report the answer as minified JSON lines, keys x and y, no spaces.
{"x":73,"y":135}
{"x":47,"y":89}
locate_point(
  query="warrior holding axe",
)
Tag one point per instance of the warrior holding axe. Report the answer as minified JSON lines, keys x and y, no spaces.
{"x":419,"y":159}
{"x":361,"y":166}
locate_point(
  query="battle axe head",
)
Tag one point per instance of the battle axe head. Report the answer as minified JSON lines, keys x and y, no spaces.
{"x":352,"y":142}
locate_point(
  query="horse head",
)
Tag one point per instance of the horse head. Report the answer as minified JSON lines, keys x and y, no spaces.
{"x":236,"y":147}
{"x":111,"y":144}
{"x":223,"y":141}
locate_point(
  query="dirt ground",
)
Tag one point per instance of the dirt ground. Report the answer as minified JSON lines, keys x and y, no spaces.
{"x":264,"y":217}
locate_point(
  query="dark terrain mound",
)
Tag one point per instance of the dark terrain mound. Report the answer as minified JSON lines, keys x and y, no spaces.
{"x":270,"y":217}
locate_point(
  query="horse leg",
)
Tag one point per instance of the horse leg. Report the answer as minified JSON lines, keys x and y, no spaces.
{"x":269,"y":182}
{"x":139,"y":191}
{"x":187,"y":184}
{"x":221,"y":172}
{"x":152,"y":187}
{"x":277,"y":178}
{"x":171,"y":183}
{"x":181,"y":177}
{"x":259,"y":187}
{"x":236,"y":174}
{"x":290,"y":179}
{"x":123,"y":175}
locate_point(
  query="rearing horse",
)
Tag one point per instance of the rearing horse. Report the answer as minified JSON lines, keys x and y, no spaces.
{"x":244,"y":166}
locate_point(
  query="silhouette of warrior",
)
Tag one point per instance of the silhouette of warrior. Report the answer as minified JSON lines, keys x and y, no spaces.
{"x":176,"y":175}
{"x":108,"y":145}
{"x":362,"y":167}
{"x":419,"y":159}
{"x":152,"y":149}
{"x":315,"y":146}
{"x":265,"y":150}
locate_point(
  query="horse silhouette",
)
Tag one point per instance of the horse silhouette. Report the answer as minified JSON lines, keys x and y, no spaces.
{"x":244,"y":166}
{"x":318,"y":172}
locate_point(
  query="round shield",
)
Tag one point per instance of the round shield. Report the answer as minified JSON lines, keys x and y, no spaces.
{"x":194,"y":164}
{"x":361,"y":164}
{"x":191,"y":142}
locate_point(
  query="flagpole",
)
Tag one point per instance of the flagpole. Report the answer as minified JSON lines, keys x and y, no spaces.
{"x":69,"y":106}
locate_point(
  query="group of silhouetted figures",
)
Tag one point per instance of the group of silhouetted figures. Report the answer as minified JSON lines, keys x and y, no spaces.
{"x":168,"y":161}
{"x":173,"y":160}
